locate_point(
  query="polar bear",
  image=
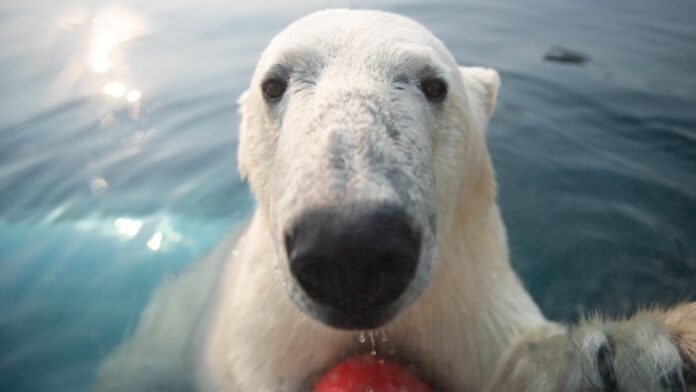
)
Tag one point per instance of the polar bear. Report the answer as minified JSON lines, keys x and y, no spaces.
{"x":377,"y":229}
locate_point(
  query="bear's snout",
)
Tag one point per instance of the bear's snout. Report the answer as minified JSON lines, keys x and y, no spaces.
{"x":354,"y":263}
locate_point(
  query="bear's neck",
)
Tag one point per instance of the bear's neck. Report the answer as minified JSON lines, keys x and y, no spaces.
{"x":473,"y":265}
{"x":475,"y":304}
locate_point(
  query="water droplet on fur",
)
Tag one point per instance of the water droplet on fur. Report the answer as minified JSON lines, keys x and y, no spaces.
{"x":361,"y":338}
{"x":373,"y":352}
{"x":372,"y":343}
{"x":384,"y":335}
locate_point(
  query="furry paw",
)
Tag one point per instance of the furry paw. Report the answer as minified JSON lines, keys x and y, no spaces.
{"x":652,"y":351}
{"x":681,"y":324}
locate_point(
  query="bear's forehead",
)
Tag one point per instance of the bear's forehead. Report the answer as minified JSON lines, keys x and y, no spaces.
{"x":361,"y":26}
{"x":348,"y":38}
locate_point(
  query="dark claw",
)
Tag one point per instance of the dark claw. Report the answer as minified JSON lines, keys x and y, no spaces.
{"x":606,"y":369}
{"x":673,"y":381}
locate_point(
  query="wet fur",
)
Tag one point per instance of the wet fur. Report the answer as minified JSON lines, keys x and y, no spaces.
{"x":467,"y":323}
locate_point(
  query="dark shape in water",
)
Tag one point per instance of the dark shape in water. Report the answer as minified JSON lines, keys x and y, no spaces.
{"x":562,"y":55}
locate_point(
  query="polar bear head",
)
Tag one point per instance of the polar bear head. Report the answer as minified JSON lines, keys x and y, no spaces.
{"x":359,"y":136}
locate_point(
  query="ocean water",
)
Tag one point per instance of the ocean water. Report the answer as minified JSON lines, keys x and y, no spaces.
{"x":118,"y":136}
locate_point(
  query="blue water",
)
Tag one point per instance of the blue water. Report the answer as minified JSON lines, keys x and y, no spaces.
{"x":118,"y":143}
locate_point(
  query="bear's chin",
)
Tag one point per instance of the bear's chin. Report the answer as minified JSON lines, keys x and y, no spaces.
{"x":353,"y":321}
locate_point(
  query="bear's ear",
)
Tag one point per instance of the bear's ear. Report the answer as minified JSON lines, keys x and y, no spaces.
{"x":241,"y":156}
{"x":485,"y":83}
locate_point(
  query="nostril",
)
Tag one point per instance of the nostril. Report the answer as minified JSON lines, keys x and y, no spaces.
{"x":353,"y":259}
{"x":289,"y":244}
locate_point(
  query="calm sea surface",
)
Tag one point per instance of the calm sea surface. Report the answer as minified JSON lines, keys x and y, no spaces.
{"x":118,"y":136}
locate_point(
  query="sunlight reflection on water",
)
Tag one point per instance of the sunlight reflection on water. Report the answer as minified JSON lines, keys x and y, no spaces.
{"x":113,"y":28}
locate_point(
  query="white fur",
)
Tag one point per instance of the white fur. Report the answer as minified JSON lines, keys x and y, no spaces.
{"x":474,"y":304}
{"x":468,"y":325}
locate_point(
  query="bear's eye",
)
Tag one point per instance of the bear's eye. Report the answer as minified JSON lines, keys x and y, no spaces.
{"x":434,"y":89}
{"x":273,"y":89}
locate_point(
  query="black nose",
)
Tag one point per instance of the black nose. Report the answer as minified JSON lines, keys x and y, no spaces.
{"x":354,"y":262}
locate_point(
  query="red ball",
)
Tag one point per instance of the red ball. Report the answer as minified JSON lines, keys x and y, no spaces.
{"x":367,"y":373}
